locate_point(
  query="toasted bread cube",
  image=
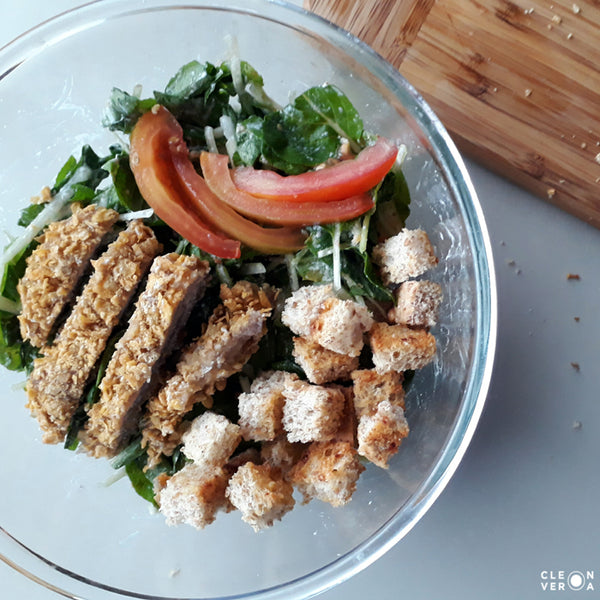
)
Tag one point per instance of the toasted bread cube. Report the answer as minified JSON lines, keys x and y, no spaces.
{"x":405,"y":255}
{"x":314,"y":312}
{"x":260,"y":494}
{"x":371,"y":388}
{"x":281,"y":454}
{"x":417,"y":303}
{"x":347,"y":430}
{"x":211,"y":439}
{"x":320,"y":364}
{"x":400,"y":348}
{"x":261,"y":409}
{"x":341,"y":326}
{"x":303,"y":306}
{"x":381,"y":433}
{"x":328,"y":471}
{"x":311,"y":412}
{"x":194,"y":495}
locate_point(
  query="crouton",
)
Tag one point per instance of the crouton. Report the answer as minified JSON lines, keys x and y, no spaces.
{"x":381,"y":433}
{"x":328,"y":471}
{"x":407,"y":254}
{"x":251,"y":454}
{"x":320,"y":364}
{"x":260,"y":494}
{"x":311,"y":412}
{"x":211,"y":439}
{"x":194,"y":495}
{"x":281,"y":454}
{"x":371,"y":388}
{"x":303,"y":306}
{"x":347,"y":430}
{"x":399,"y":348}
{"x":417,"y":304}
{"x":340,"y":326}
{"x":261,"y":409}
{"x":314,"y":312}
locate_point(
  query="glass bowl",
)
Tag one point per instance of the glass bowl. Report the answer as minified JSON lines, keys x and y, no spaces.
{"x":64,"y":521}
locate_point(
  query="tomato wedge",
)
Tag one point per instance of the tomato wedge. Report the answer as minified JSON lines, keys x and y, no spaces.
{"x":152,"y":165}
{"x":216,"y":172}
{"x":190,"y":192}
{"x":345,"y":179}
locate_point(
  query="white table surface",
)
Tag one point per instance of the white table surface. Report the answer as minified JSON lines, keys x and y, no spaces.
{"x":524,"y":504}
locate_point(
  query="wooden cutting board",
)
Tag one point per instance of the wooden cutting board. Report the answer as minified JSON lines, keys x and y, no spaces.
{"x":517,"y":84}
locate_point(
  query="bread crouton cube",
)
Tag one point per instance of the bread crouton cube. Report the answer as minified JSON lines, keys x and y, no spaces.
{"x":261,"y":409}
{"x":194,"y":495}
{"x":320,"y":364}
{"x":371,"y":388}
{"x":281,"y":454}
{"x":328,"y":471}
{"x":403,"y":256}
{"x":347,"y":430}
{"x":341,"y":325}
{"x":381,"y":433}
{"x":400,"y":348}
{"x":311,"y":412}
{"x":260,"y":494}
{"x":303,"y":306}
{"x":211,"y":439}
{"x":314,"y":312}
{"x":417,"y":303}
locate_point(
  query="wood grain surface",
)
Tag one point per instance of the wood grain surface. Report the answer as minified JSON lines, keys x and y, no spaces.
{"x":517,"y":84}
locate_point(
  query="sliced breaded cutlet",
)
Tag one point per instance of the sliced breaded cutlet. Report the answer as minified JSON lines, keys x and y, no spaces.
{"x":56,"y":266}
{"x":56,"y":385}
{"x":174,"y":284}
{"x":232,"y":336}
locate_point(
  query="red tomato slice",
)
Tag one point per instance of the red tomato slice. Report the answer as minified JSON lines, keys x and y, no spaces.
{"x":190,"y":198}
{"x":215,"y":169}
{"x":152,"y":164}
{"x":345,"y":179}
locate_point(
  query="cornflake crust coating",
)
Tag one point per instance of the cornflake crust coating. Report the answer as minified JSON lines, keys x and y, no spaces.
{"x":174,"y":284}
{"x":403,"y":256}
{"x":232,"y":336}
{"x":59,"y":377}
{"x":56,"y":266}
{"x":400,"y":348}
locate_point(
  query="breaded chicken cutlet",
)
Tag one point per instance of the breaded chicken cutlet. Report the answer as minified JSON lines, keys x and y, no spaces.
{"x":231,"y":338}
{"x":57,"y":383}
{"x":56,"y":266}
{"x":174,"y":284}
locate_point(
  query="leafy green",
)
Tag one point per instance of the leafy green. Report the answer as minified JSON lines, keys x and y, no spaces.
{"x":134,"y":459}
{"x":392,"y":198}
{"x":95,"y":173}
{"x":124,"y":109}
{"x":29,"y":213}
{"x":250,"y":140}
{"x":314,"y":262}
{"x":309,"y":131}
{"x":15,"y":354}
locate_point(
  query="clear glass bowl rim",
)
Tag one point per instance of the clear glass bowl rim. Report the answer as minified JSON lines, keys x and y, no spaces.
{"x":92,"y":14}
